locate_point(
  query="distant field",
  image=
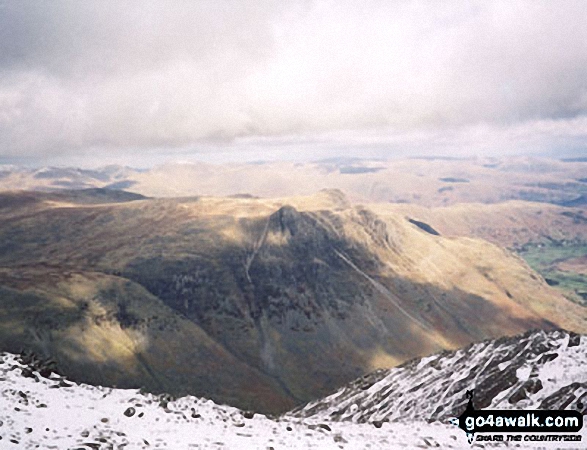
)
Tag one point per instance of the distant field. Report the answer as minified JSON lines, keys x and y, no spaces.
{"x":563,"y":264}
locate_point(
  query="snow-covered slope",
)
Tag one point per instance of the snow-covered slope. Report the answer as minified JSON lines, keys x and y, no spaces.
{"x":40,"y":409}
{"x":539,"y":370}
{"x":53,"y":413}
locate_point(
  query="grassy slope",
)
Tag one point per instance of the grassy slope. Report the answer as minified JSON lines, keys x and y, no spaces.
{"x":552,"y":239}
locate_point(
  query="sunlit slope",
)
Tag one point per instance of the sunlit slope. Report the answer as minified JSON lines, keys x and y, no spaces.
{"x":552,"y":239}
{"x":103,"y":329}
{"x":306,"y":292}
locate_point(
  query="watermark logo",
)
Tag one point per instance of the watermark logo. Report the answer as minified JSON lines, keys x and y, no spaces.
{"x":505,"y":425}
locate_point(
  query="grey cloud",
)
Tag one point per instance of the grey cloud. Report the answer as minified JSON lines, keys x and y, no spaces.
{"x":79,"y":75}
{"x":108,"y":38}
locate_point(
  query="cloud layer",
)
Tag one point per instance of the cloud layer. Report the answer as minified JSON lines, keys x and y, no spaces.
{"x":111,"y":75}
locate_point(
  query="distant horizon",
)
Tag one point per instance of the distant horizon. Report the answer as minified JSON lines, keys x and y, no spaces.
{"x":157,"y":160}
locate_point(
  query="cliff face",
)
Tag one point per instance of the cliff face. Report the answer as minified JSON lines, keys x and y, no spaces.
{"x":259,"y":303}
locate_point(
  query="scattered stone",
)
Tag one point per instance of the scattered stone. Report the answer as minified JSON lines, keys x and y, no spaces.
{"x":562,"y":398}
{"x":288,"y":428}
{"x":130,"y":411}
{"x":532,"y":386}
{"x":85,"y":433}
{"x":547,"y":357}
{"x":377,"y":423}
{"x":430,"y":442}
{"x":141,"y":414}
{"x":28,"y":430}
{"x":574,"y":339}
{"x":27,"y":373}
{"x":104,"y":420}
{"x":248,"y":414}
{"x":92,"y":445}
{"x":324,"y":427}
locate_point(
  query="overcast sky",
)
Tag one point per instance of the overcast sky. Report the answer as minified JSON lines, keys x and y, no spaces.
{"x":104,"y":79}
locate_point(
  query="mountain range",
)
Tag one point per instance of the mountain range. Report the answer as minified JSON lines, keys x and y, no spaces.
{"x":428,"y":182}
{"x":259,"y":303}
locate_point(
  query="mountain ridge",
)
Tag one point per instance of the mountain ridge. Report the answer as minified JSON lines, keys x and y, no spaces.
{"x":307,"y":293}
{"x":536,"y":370}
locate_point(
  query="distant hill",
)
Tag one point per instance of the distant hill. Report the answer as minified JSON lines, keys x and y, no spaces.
{"x":429,"y":182}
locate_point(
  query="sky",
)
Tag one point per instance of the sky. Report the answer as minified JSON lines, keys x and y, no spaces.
{"x":110,"y":81}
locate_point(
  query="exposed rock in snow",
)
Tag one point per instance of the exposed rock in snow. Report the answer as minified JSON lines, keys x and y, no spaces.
{"x":52,"y":413}
{"x":538,"y":370}
{"x":41,"y":409}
